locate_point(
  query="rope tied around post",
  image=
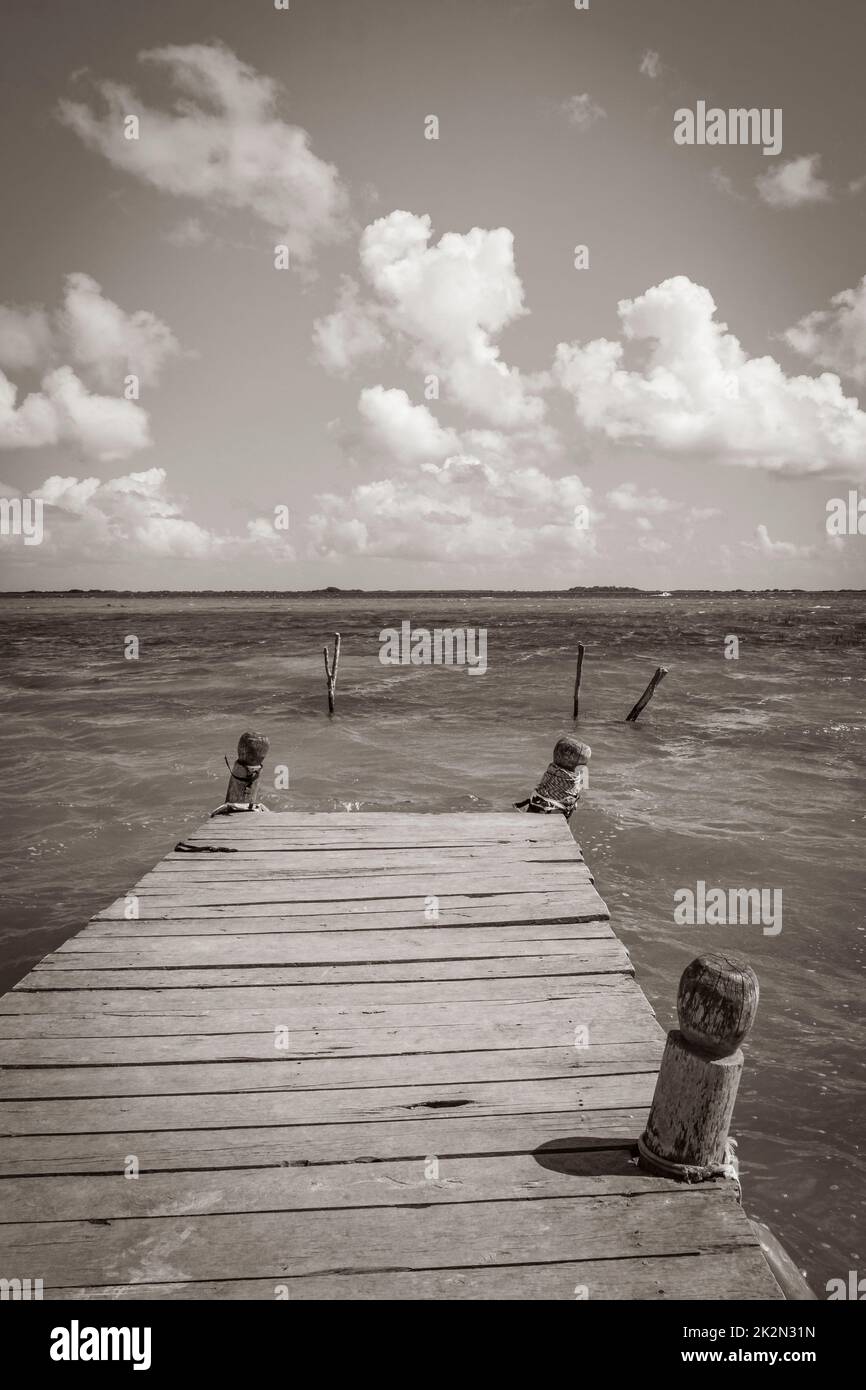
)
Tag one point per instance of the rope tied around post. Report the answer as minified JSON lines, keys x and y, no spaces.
{"x":244,"y":776}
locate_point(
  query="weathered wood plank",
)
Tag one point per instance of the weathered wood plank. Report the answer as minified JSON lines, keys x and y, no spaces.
{"x":683,"y":1277}
{"x":453,"y":908}
{"x":379,"y":1238}
{"x":391,"y":1182}
{"x":283,"y":1072}
{"x":447,"y":1134}
{"x":531,"y":1027}
{"x":432,"y":942}
{"x":203,"y":1111}
{"x":173,"y":889}
{"x":418,"y":999}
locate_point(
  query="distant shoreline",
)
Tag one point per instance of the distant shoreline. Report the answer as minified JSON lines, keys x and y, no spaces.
{"x":589,"y":591}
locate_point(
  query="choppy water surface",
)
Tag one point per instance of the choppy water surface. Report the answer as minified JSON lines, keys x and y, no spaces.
{"x":746,"y":773}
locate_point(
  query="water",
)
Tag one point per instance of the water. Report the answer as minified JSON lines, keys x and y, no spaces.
{"x":743,"y":773}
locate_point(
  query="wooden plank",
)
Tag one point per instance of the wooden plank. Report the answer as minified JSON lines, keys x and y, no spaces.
{"x":174,"y":889}
{"x":532,"y":1027}
{"x":377,"y":1238}
{"x":447,"y":1134}
{"x":320,"y":974}
{"x":278,"y":947}
{"x":740,"y":1274}
{"x":392,"y":1182}
{"x":416,"y":999}
{"x":373,"y":860}
{"x":453,"y":908}
{"x":203,"y":1111}
{"x":282,"y":1072}
{"x":583,"y":918}
{"x":432,"y":942}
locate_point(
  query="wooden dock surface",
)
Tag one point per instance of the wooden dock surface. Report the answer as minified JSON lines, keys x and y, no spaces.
{"x":328,"y":1091}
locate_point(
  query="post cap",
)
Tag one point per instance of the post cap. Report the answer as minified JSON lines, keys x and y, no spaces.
{"x":252,"y":749}
{"x":717,"y":1001}
{"x":570,"y":753}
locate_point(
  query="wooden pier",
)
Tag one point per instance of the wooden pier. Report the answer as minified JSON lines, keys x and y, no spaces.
{"x":351,"y":1056}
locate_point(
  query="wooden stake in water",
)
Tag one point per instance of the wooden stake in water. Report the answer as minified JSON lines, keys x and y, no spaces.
{"x":580,"y":651}
{"x":645,"y":698}
{"x":331,"y":671}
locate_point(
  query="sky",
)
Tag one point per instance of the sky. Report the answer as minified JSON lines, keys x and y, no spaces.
{"x":292,"y":297}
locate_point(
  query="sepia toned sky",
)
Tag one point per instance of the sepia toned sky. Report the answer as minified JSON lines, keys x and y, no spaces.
{"x":433,"y":390}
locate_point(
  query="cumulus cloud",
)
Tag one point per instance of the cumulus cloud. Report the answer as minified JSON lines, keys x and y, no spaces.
{"x":468,"y":495}
{"x":135,"y":517}
{"x":409,"y":433}
{"x":128,"y":515}
{"x":224,"y":142}
{"x":465,"y":509}
{"x":779,"y":550}
{"x":352,"y":331}
{"x":582,"y":111}
{"x":697,"y":391}
{"x":89,"y":331}
{"x":445,"y":303}
{"x":650,"y":64}
{"x":793,"y":182}
{"x":65,"y":412}
{"x":835,"y":337}
{"x":626,"y":498}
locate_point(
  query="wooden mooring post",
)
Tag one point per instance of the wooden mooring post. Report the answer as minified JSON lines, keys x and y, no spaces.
{"x":244,"y":776}
{"x":581,"y":649}
{"x":687,"y":1133}
{"x":331,"y":671}
{"x":661,"y":672}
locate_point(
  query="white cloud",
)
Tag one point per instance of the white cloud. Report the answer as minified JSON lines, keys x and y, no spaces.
{"x":134,"y":518}
{"x":793,"y":182}
{"x":582,"y":111}
{"x":130,"y":516}
{"x":463,"y":510}
{"x":779,"y":550}
{"x":653,"y":545}
{"x":106,"y":342}
{"x":410,"y":433}
{"x":64,"y":412}
{"x":836,"y":337}
{"x":350,"y":332}
{"x":88,"y":341}
{"x":626,"y":498}
{"x":444,"y":303}
{"x":650,"y":64}
{"x":224,"y":143}
{"x":466,"y":496}
{"x":698,"y":392}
